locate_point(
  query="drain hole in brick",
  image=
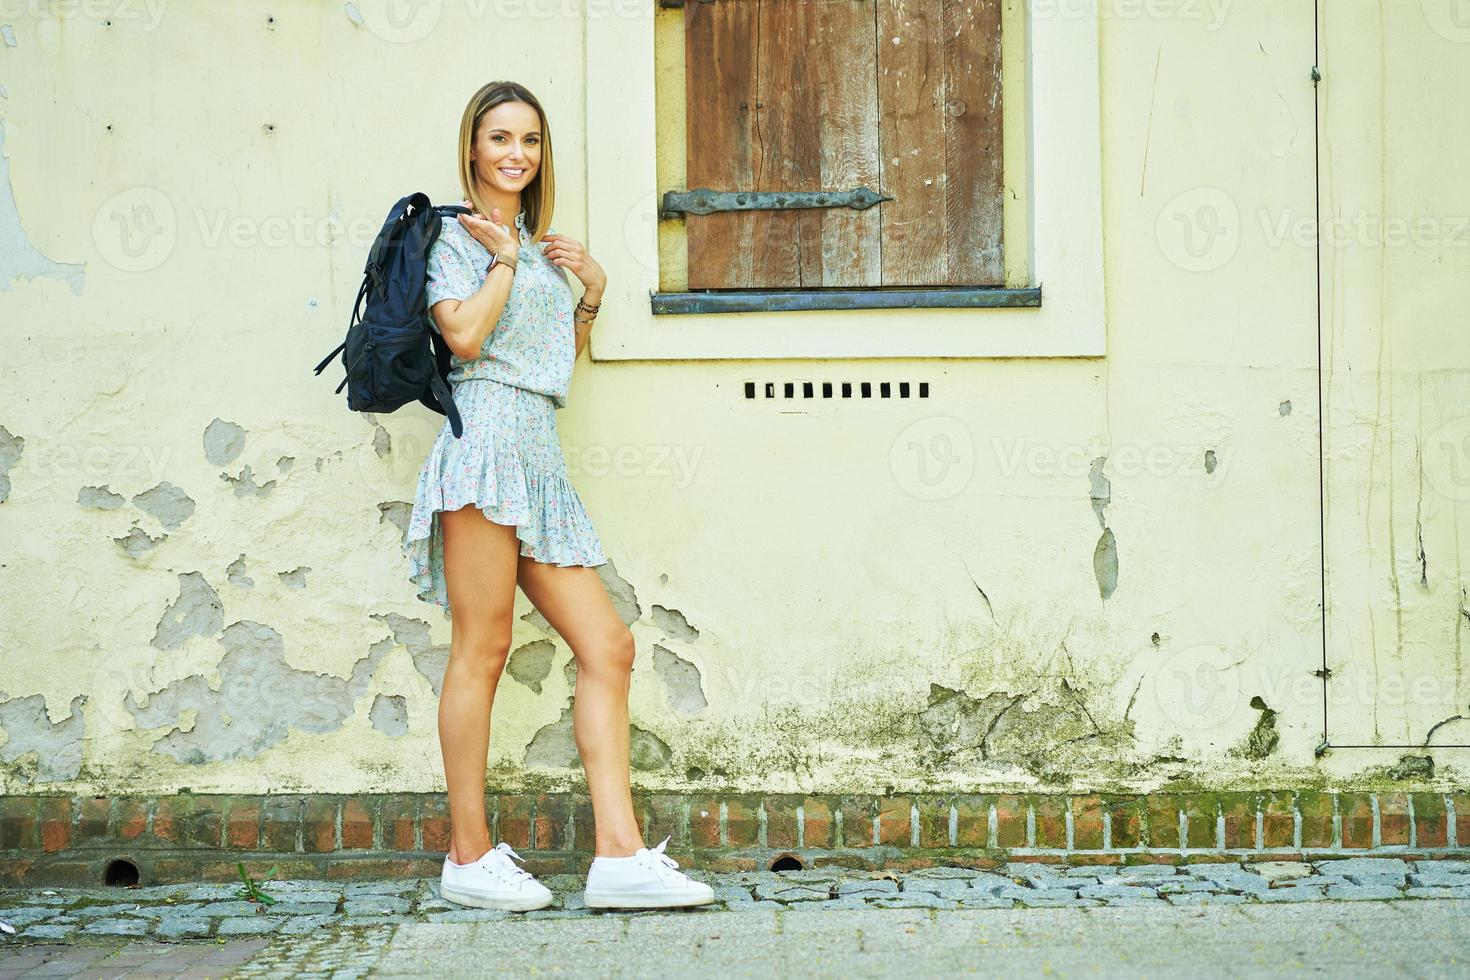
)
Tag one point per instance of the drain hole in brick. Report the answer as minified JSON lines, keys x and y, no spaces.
{"x":121,"y":873}
{"x":787,"y":862}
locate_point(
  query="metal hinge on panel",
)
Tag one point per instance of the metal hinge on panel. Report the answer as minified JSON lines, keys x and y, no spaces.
{"x":704,"y":200}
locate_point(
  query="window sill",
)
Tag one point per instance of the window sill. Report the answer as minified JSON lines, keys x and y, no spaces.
{"x":889,"y":298}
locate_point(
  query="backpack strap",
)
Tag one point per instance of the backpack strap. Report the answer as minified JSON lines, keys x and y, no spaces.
{"x":446,"y":402}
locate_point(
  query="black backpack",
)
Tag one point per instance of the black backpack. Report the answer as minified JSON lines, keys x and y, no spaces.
{"x":392,"y":353}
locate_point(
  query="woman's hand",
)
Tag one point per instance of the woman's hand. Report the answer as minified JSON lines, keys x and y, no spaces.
{"x":495,"y":236}
{"x":569,"y":254}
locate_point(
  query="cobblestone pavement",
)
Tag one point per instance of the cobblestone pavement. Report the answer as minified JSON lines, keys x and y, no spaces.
{"x":337,"y":929}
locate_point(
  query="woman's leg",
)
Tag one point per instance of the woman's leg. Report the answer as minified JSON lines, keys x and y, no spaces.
{"x":575,"y":603}
{"x":480,"y":574}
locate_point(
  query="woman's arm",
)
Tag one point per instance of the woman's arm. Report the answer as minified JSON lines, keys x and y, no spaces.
{"x":591,"y":297}
{"x":464,"y":325}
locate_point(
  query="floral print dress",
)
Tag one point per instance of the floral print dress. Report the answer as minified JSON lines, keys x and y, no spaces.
{"x":509,"y":461}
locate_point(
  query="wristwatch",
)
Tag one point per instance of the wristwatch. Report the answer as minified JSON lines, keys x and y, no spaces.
{"x":494,"y":258}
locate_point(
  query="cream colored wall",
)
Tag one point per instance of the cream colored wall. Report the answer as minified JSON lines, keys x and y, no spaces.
{"x":822,"y":566}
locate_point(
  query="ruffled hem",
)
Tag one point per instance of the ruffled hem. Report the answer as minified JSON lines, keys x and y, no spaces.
{"x":480,"y":469}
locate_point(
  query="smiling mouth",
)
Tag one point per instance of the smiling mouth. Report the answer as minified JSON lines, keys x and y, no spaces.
{"x":514,"y":173}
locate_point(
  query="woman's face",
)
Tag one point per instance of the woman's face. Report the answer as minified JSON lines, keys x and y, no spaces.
{"x":507,"y":148}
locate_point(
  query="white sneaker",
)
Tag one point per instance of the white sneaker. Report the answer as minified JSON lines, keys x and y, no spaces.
{"x":493,"y":882}
{"x":645,"y":880}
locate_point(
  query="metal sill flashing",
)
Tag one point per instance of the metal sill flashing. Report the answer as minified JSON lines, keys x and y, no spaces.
{"x":889,"y":298}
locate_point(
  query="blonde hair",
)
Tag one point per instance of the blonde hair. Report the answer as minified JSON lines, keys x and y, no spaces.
{"x":539,"y":196}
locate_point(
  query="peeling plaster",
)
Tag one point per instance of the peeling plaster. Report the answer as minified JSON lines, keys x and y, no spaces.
{"x":1285,"y":407}
{"x":260,"y":700}
{"x":223,"y":441}
{"x":11,"y":446}
{"x":389,"y":714}
{"x":554,"y":746}
{"x":531,"y":664}
{"x":428,"y":659}
{"x":1102,"y":490}
{"x":235,"y":572}
{"x":1105,"y":563}
{"x":398,"y":513}
{"x":1210,"y":461}
{"x":196,"y":612}
{"x":681,"y":679}
{"x":138,"y":542}
{"x":55,"y":750}
{"x":1263,"y":738}
{"x":19,"y":259}
{"x":353,"y":14}
{"x":674,"y":625}
{"x":295,"y":578}
{"x":284,"y":464}
{"x":245,"y":485}
{"x":166,"y":502}
{"x":100,"y":498}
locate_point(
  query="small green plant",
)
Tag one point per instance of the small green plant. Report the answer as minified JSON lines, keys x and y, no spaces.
{"x":251,"y":890}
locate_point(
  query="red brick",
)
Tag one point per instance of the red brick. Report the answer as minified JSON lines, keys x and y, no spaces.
{"x":1200,"y":816}
{"x":1051,"y":821}
{"x":1357,"y":820}
{"x":818,"y":825}
{"x":242,"y":823}
{"x":895,"y":821}
{"x":972,"y":823}
{"x":1277,"y":819}
{"x":1126,"y":822}
{"x":130,"y":817}
{"x":1163,"y":822}
{"x":319,"y":825}
{"x":1316,"y":812}
{"x":1429,"y":820}
{"x":781,"y":820}
{"x":1087,"y":823}
{"x":704,"y":822}
{"x":514,"y":824}
{"x":92,"y":818}
{"x":553,"y":812}
{"x":1462,"y":819}
{"x":1239,"y":810}
{"x":56,"y":814}
{"x":170,"y":818}
{"x":934,"y":821}
{"x":742,"y":821}
{"x":1079,"y":859}
{"x":857,"y":820}
{"x":283,"y":815}
{"x":357,"y":823}
{"x":400,"y":820}
{"x":1153,"y":857}
{"x":584,"y":825}
{"x":1010,"y":821}
{"x":18,"y":823}
{"x":1393,"y":818}
{"x":666,"y":819}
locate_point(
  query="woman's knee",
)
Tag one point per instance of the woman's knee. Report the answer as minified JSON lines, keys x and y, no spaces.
{"x":612,"y":654}
{"x":482,"y":647}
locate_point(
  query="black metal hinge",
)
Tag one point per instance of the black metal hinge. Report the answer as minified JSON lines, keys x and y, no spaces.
{"x":704,"y":200}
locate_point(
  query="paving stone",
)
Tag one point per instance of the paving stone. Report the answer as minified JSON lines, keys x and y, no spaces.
{"x":1306,"y":893}
{"x":308,"y":896}
{"x":48,"y":931}
{"x":1045,"y":897}
{"x":1143,"y":898}
{"x":866,"y":886}
{"x":1050,"y":882}
{"x":1422,"y":876}
{"x":1109,"y":890}
{"x":847,"y":902}
{"x":1205,"y":898}
{"x":25,"y":915}
{"x":209,"y":893}
{"x":1354,"y":893}
{"x":102,"y":911}
{"x":732,"y":895}
{"x":1436,"y":866}
{"x":1438,"y":891}
{"x":379,"y":920}
{"x":949,"y":887}
{"x":791,"y":891}
{"x":1388,"y":881}
{"x":985,"y":901}
{"x":1148,"y":871}
{"x":248,"y":925}
{"x":393,"y":887}
{"x":237,"y":908}
{"x":914,"y":900}
{"x":1091,"y":871}
{"x":1364,"y":866}
{"x":1184,"y":886}
{"x":468,"y":915}
{"x":989,"y":882}
{"x":165,"y":911}
{"x":565,"y":913}
{"x":375,"y":905}
{"x":1281,"y":870}
{"x":300,"y":908}
{"x":116,"y":927}
{"x":304,"y":925}
{"x":182,"y":927}
{"x":1239,"y":882}
{"x":437,"y":905}
{"x":949,"y":873}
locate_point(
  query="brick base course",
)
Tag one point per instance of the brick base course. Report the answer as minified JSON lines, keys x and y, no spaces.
{"x":64,"y":840}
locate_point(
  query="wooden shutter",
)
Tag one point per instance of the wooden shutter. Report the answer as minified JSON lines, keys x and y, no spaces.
{"x":899,"y":96}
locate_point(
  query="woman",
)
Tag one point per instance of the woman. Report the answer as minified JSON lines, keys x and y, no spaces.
{"x":495,"y":509}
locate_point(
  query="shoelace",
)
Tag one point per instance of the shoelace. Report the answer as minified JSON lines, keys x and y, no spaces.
{"x":498,"y":859}
{"x":661,"y":863}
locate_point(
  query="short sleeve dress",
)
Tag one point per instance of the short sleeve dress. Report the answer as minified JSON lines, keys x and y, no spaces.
{"x":509,"y":461}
